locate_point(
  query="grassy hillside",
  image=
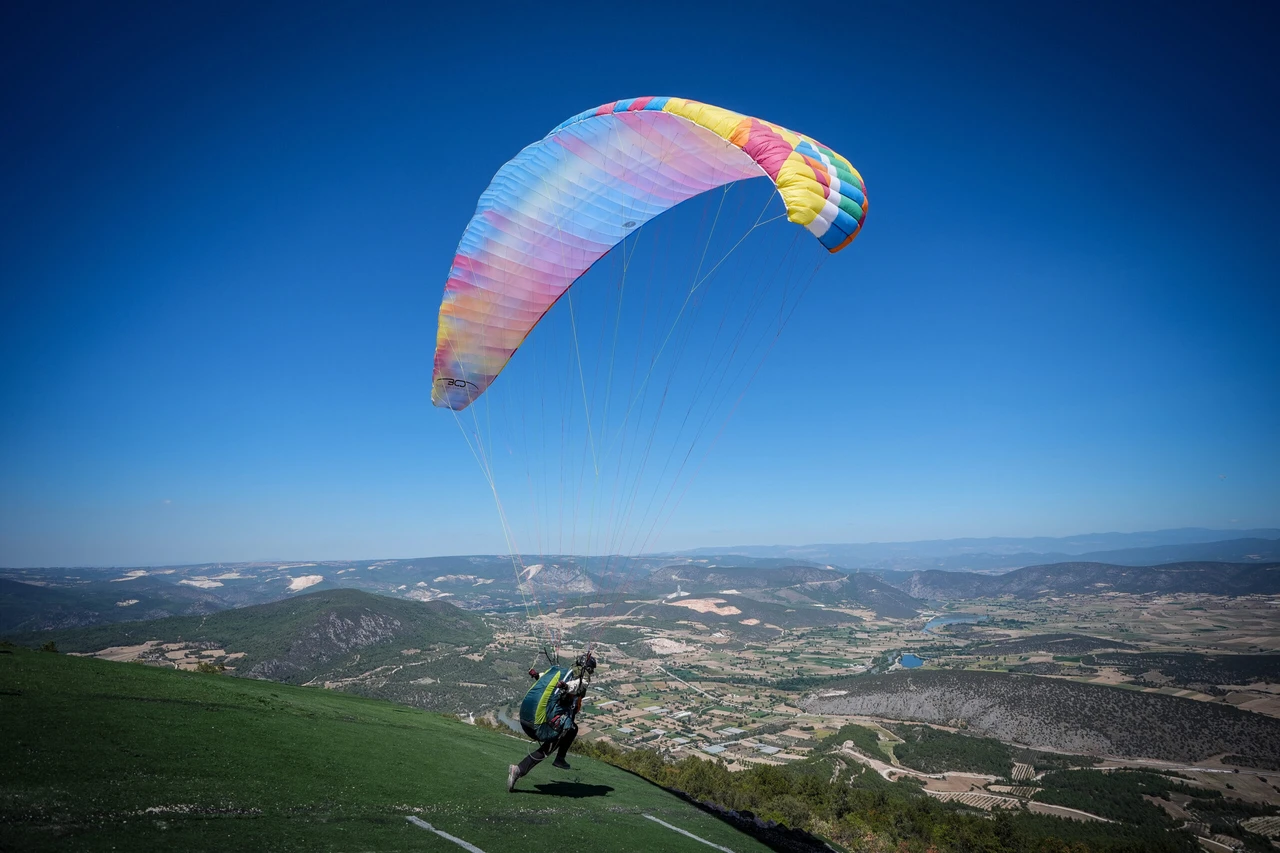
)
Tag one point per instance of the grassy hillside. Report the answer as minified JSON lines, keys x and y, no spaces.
{"x":100,"y":756}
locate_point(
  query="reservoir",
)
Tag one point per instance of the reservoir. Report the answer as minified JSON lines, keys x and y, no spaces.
{"x":959,"y":618}
{"x":910,"y":661}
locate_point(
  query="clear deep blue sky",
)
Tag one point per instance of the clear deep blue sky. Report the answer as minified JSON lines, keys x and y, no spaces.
{"x":224,"y":231}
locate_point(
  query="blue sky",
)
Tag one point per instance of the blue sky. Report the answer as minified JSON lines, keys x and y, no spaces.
{"x":225,"y":230}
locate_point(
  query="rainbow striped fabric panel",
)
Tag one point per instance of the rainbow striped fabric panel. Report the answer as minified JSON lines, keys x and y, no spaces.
{"x":563,"y":202}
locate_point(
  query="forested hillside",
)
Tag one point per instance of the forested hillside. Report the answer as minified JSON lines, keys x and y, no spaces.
{"x":1058,"y":714}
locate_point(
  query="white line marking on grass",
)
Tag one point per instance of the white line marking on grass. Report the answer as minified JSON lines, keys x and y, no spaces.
{"x":465,"y":845}
{"x":686,"y":832}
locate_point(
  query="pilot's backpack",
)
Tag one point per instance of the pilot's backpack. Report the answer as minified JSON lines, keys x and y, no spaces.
{"x":539,"y":709}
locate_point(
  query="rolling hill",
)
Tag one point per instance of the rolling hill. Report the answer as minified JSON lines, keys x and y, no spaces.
{"x":1054,"y":644}
{"x":1201,"y":672}
{"x":705,"y":576}
{"x":40,"y":598}
{"x":793,"y":585}
{"x":1249,"y":549}
{"x":407,"y":651}
{"x":1204,"y":578}
{"x":735,"y":614}
{"x":1056,"y":714}
{"x":108,"y":756}
{"x":921,"y":554}
{"x":35,"y":605}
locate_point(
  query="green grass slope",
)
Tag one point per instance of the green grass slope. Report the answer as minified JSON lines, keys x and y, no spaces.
{"x":100,"y":756}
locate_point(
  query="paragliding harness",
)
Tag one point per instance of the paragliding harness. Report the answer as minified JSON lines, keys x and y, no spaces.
{"x":548,"y":709}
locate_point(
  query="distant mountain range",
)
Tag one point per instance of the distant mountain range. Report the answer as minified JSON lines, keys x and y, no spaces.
{"x":50,"y":599}
{"x":891,"y":579}
{"x":1004,"y":553}
{"x":1087,"y":578}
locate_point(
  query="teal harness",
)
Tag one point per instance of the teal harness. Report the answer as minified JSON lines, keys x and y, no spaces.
{"x":541,"y":715}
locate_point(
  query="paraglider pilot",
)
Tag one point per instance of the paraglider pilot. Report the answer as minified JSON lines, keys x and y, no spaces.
{"x":547,"y":714}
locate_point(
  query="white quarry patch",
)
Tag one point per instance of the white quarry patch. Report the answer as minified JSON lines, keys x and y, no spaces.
{"x":530,"y":571}
{"x":230,"y":576}
{"x":128,"y":602}
{"x":304,"y":581}
{"x":295,"y":566}
{"x":202,"y":583}
{"x":729,"y":592}
{"x":749,"y":621}
{"x":427,"y":594}
{"x":663,"y":646}
{"x":454,"y":578}
{"x":132,"y":576}
{"x":707,"y":605}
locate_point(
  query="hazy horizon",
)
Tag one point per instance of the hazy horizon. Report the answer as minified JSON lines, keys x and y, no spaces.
{"x":1214,"y":535}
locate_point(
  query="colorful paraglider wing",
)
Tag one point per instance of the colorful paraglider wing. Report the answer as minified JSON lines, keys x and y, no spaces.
{"x":565,"y":201}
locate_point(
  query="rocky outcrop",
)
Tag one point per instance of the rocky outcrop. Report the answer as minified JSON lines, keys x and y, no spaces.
{"x":332,"y":636}
{"x":555,"y":579}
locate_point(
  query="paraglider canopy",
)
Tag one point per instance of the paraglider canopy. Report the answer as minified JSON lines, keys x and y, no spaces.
{"x":679,"y":216}
{"x":563,"y":202}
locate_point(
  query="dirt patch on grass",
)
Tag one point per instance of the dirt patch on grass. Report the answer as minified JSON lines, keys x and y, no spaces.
{"x":707,"y":605}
